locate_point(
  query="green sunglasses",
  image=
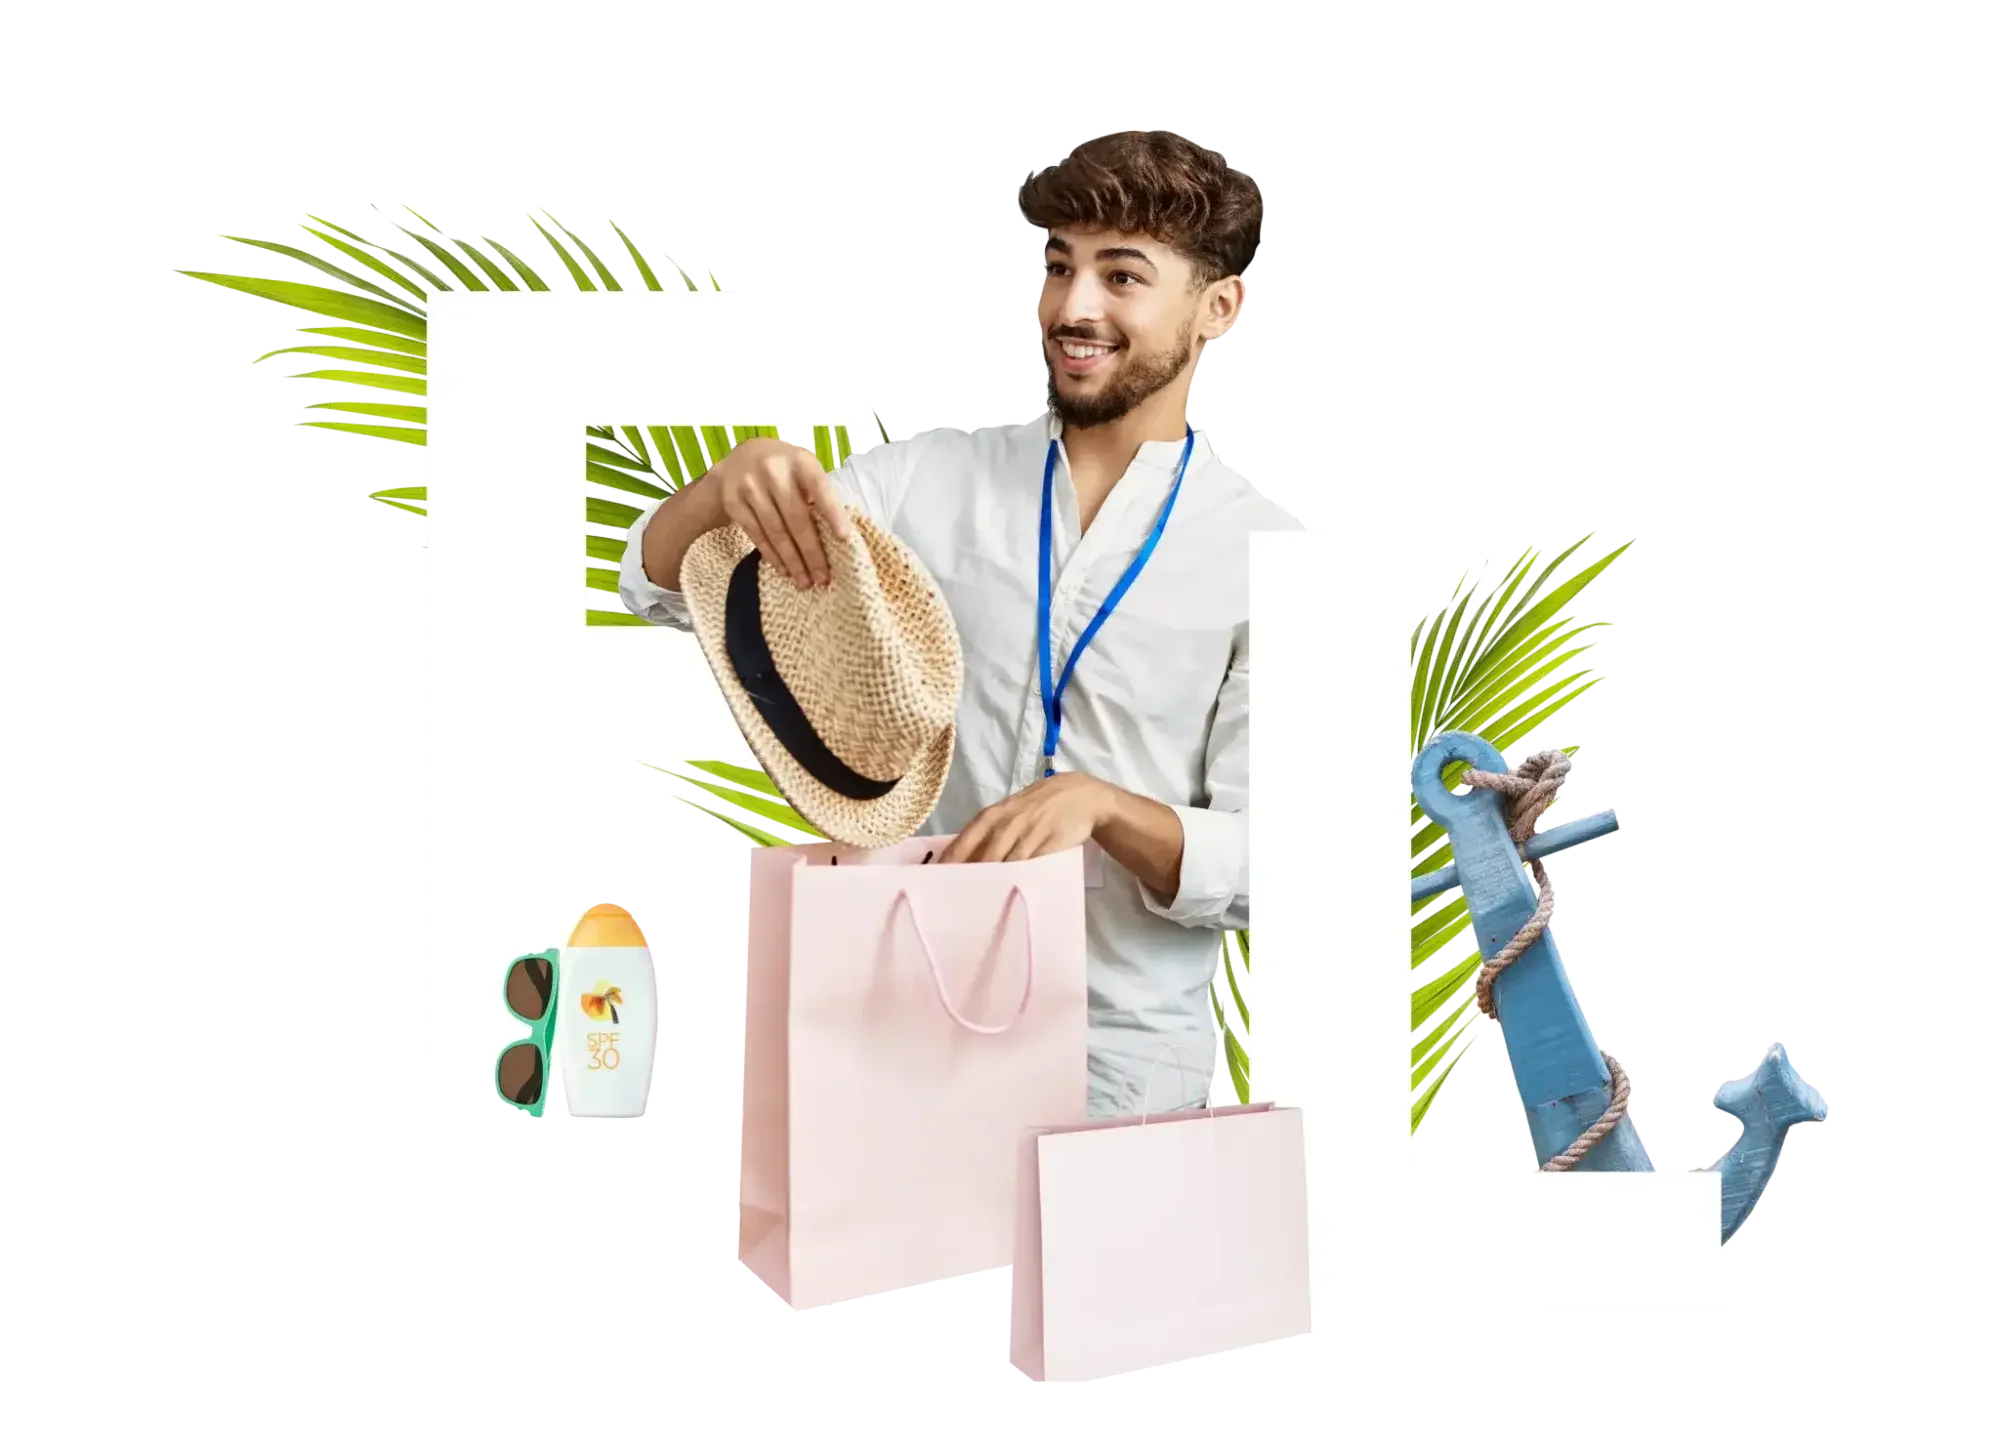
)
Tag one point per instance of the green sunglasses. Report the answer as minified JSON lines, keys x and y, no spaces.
{"x":522,"y":1074}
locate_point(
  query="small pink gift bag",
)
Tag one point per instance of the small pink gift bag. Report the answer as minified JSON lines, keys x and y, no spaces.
{"x":1141,"y":1241}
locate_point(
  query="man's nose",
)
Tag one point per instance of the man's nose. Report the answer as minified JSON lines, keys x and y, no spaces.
{"x":1082,"y":301}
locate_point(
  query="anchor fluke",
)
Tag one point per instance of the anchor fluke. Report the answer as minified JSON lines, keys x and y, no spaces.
{"x":1767,"y":1103}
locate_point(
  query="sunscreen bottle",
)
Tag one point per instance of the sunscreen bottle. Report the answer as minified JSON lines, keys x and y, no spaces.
{"x":608,"y":1015}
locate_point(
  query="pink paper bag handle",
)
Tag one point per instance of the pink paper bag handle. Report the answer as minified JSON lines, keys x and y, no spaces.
{"x":1146,"y":1090}
{"x":937,"y":977}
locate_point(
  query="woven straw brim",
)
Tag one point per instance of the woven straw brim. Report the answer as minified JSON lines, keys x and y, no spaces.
{"x":859,"y":823}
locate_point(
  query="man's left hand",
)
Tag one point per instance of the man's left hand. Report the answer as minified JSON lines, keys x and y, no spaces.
{"x":1050,"y":816}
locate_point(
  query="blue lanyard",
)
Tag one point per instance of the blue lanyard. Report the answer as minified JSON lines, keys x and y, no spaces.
{"x":1052,"y":690}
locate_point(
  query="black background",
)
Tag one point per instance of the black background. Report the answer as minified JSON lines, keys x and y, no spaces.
{"x":1773,"y":361}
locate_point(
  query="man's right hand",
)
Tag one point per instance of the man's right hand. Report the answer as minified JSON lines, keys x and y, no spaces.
{"x":771,"y":489}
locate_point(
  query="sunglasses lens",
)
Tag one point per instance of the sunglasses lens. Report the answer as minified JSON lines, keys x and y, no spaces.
{"x":528,"y":987}
{"x":521,"y":1073}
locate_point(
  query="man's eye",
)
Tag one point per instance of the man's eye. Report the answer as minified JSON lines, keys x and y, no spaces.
{"x":1124,"y":276}
{"x":1054,"y":268}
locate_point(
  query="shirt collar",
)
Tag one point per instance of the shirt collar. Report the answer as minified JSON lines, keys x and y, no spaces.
{"x":1159,"y":455}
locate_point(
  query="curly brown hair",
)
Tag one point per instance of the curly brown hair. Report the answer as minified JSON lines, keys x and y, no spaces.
{"x":1154,"y":183}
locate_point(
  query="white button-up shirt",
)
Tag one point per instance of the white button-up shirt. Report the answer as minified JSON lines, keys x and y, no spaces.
{"x":1159,"y":703}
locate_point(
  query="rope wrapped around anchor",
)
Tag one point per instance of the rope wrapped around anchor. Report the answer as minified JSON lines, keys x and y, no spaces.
{"x":1530,"y":789}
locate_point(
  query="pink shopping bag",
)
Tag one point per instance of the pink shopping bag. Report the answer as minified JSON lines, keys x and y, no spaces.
{"x":905,"y":1022}
{"x":1144,"y":1241}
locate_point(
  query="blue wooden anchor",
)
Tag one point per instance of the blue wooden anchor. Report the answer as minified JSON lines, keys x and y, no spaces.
{"x":1543,"y":845}
{"x":1767,"y":1103}
{"x":1558,"y":1068}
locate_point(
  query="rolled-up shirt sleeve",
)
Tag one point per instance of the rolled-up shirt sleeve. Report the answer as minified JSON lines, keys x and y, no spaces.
{"x":868,"y":482}
{"x":636,"y":589}
{"x":1215,"y":853}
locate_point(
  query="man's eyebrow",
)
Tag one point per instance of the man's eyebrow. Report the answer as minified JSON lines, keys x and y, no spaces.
{"x":1107,"y":253}
{"x":1127,"y":253}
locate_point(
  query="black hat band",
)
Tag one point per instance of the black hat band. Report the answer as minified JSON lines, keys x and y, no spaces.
{"x":750,"y":655}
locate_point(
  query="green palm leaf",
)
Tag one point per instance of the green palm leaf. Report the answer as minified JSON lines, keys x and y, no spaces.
{"x":392,"y":433}
{"x":1510,"y":725}
{"x":451,"y":263}
{"x":663,"y":443}
{"x":745,"y":777}
{"x":527,"y":272}
{"x":397,"y":271}
{"x":605,"y":445}
{"x":1441,"y":1043}
{"x":637,"y":442}
{"x":1428,"y":999}
{"x":681,"y":271}
{"x":1436,"y":930}
{"x":645,"y":271}
{"x":435,"y":245}
{"x":597,"y":265}
{"x":390,"y":498}
{"x":1506,"y":680}
{"x":1423,"y":1105}
{"x":1234,"y":1030}
{"x":491,"y":269}
{"x":1421,"y":683}
{"x":755,"y":835}
{"x":1457,"y":649}
{"x":411,"y":384}
{"x":401,"y":361}
{"x":329,"y":268}
{"x":1486,"y":671}
{"x":569,"y":262}
{"x":411,"y":265}
{"x":573,"y":253}
{"x":453,"y":249}
{"x":606,"y":476}
{"x":716,"y":440}
{"x":758,"y":802}
{"x":823,"y":447}
{"x":601,"y":513}
{"x":1237,"y":989}
{"x":372,"y":408}
{"x":762,"y":799}
{"x":368,"y":338}
{"x":689,"y":446}
{"x":615,"y":455}
{"x":341,"y":305}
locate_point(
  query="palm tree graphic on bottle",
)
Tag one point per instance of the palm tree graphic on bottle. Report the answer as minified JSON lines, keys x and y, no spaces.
{"x":603,"y":1004}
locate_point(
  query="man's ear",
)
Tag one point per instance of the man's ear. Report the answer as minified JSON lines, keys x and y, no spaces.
{"x":1221,"y":304}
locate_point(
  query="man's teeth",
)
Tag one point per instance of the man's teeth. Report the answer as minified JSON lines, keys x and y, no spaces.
{"x":1077,"y":351}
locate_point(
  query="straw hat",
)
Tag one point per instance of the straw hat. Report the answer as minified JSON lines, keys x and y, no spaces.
{"x":848,"y":695}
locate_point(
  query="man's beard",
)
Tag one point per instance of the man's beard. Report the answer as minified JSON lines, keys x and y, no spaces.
{"x":1138,"y":379}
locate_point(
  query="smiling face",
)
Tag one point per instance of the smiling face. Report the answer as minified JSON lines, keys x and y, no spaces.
{"x":1147,"y":237}
{"x":1122,"y":321}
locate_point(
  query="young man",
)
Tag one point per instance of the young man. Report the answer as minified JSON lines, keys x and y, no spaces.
{"x":1146,"y":755}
